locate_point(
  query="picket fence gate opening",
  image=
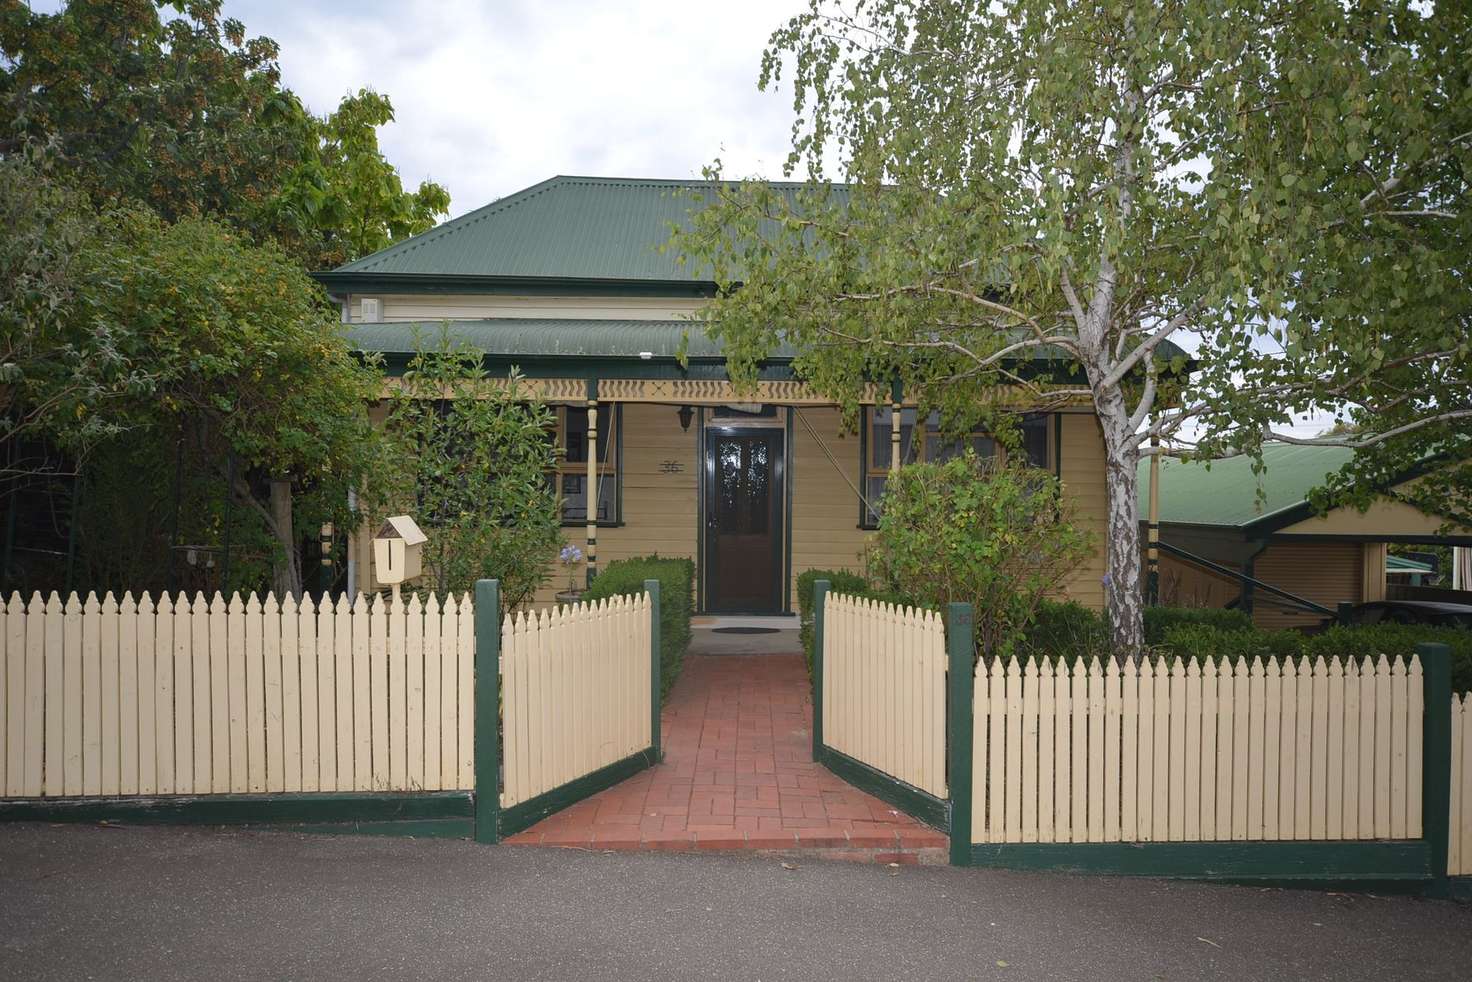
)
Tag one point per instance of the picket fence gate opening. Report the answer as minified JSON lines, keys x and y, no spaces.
{"x":884,"y":689}
{"x":576,"y":692}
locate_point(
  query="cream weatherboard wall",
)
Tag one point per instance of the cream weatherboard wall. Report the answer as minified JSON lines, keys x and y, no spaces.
{"x":1081,"y":470}
{"x":431,"y":307}
{"x":825,"y":504}
{"x":660,"y":471}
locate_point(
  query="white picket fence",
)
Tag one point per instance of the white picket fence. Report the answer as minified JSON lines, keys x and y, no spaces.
{"x":1459,"y":848}
{"x":576,"y":689}
{"x":197,"y":697}
{"x":1199,"y":752}
{"x":884,"y":688}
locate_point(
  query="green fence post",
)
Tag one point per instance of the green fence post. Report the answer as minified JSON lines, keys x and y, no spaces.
{"x":1436,"y":756}
{"x":960,"y":668}
{"x":820,"y":595}
{"x":651,"y":587}
{"x":487,"y":710}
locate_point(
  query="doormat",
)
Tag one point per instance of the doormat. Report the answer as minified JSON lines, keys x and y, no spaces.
{"x":745,"y":630}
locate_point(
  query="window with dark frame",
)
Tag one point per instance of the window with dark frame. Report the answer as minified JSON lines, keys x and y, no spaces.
{"x":570,"y":479}
{"x":929,"y":444}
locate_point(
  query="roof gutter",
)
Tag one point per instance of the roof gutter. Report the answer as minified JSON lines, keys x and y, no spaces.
{"x":367,"y":281}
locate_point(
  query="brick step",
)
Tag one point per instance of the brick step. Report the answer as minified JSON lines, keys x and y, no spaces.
{"x":870,"y":846}
{"x":760,"y":845}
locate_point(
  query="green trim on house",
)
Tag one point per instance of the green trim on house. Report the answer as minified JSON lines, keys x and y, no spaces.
{"x":933,"y":811}
{"x":1436,"y":759}
{"x":487,"y":697}
{"x":445,"y":828}
{"x":960,"y":725}
{"x":788,"y":482}
{"x":1337,"y":862}
{"x":656,"y":686}
{"x":820,"y":596}
{"x":528,"y":813}
{"x":360,"y":284}
{"x":299,"y":808}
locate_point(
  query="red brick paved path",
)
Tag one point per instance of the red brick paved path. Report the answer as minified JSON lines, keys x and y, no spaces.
{"x":738,"y":773}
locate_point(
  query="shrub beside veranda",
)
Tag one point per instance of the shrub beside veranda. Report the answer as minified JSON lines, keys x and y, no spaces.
{"x":625,"y":577}
{"x":997,"y":536}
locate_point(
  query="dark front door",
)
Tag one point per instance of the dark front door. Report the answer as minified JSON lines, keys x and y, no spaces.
{"x":743,"y":521}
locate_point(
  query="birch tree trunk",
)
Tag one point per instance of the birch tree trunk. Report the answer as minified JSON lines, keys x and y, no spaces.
{"x":1122,"y":582}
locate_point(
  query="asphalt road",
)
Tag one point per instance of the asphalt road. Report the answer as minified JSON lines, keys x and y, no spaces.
{"x":161,"y":903}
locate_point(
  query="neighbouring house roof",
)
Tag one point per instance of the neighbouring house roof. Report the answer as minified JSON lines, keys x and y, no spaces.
{"x":1400,"y":564}
{"x":1225,"y":492}
{"x":1226,"y":496}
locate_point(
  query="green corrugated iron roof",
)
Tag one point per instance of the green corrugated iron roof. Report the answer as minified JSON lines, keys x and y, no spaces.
{"x":1225,"y":492}
{"x":536,"y":337}
{"x":588,"y":228}
{"x":561,"y":337}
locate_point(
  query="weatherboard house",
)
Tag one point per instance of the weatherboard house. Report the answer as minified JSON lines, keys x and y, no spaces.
{"x":1221,"y":522}
{"x":565,"y":281}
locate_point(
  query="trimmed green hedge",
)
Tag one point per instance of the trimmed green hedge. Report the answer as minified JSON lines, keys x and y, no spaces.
{"x":625,"y":577}
{"x":1069,"y":630}
{"x":1159,"y":621}
{"x":840,"y":581}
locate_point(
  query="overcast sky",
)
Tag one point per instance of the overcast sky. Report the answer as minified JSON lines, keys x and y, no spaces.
{"x":496,"y":95}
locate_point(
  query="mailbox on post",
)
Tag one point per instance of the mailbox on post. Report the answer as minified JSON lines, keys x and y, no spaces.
{"x":397,"y":552}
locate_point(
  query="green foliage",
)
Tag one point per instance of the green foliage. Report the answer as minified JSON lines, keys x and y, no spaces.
{"x":236,"y":337}
{"x":237,"y":358}
{"x":1041,"y":195}
{"x":186,"y":116}
{"x":625,"y":577}
{"x":469,"y":456}
{"x":1396,"y":639}
{"x":841,"y":581}
{"x":1197,"y":641}
{"x":1201,"y":640}
{"x":1065,"y":629}
{"x":999,"y":537}
{"x":1159,"y":621}
{"x":343,"y":199}
{"x":58,"y":368}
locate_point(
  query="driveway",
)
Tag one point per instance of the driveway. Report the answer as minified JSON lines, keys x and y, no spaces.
{"x":159,"y":903}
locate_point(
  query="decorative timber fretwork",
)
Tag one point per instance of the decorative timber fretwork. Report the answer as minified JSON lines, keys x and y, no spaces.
{"x":719,"y":392}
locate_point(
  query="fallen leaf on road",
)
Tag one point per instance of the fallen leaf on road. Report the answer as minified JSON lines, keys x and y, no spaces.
{"x":1210,"y":942}
{"x":1001,"y":964}
{"x":789,"y":866}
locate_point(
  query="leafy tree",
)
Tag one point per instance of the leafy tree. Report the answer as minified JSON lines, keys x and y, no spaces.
{"x":469,"y":455}
{"x":1041,"y":195}
{"x":57,"y":369}
{"x":343,"y":199}
{"x":187,"y":116}
{"x":248,"y":368}
{"x":999,"y":537}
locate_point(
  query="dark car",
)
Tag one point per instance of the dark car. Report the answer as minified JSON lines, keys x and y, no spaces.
{"x":1431,"y":612}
